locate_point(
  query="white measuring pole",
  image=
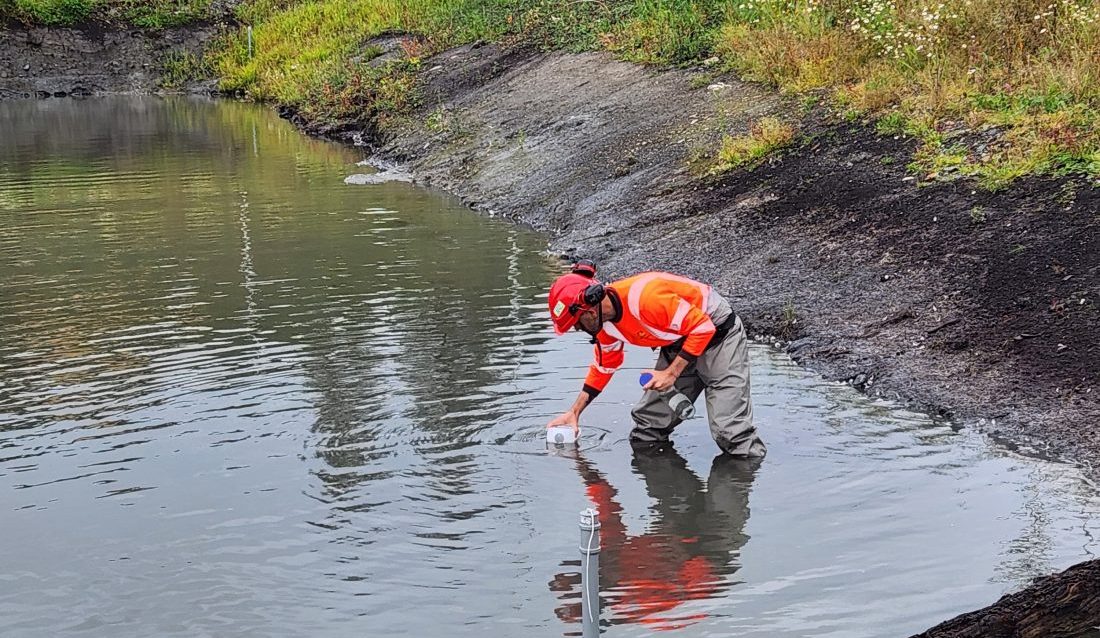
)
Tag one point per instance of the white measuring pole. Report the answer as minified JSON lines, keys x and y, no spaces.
{"x":590,"y":573}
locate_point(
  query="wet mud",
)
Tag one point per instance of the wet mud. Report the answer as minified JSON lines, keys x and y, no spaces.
{"x":94,"y":59}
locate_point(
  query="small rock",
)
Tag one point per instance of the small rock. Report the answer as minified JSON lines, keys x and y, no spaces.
{"x":711,"y":61}
{"x":26,"y":67}
{"x":717,"y":86}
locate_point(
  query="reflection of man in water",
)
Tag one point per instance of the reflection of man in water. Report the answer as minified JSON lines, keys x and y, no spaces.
{"x":686,"y":552}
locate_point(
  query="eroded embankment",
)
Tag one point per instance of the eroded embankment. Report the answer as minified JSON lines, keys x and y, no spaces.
{"x":92,"y":59}
{"x":975,"y":305}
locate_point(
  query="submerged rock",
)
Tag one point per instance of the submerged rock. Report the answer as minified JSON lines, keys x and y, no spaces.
{"x":378,"y":178}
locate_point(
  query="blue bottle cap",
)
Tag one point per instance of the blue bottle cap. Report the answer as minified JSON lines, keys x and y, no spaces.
{"x":645,"y":378}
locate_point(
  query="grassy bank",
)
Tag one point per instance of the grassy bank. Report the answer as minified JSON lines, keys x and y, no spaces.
{"x":141,"y":13}
{"x":994,"y":89}
{"x":313,"y":55}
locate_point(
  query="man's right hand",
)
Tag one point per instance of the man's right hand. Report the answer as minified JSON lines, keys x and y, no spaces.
{"x":566,"y":418}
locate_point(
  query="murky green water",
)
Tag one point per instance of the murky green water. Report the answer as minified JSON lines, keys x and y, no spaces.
{"x":238,"y":397}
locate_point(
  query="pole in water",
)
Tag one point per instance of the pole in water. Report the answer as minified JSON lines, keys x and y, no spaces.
{"x":590,"y":573}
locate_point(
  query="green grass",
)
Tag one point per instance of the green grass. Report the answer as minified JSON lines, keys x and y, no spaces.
{"x":312,"y":55}
{"x":180,"y":68}
{"x":47,"y":12}
{"x":747,"y":151}
{"x":667,"y":31}
{"x":158,"y":14}
{"x":997,"y":90}
{"x":154,"y":14}
{"x":993,"y":89}
{"x":309,"y":53}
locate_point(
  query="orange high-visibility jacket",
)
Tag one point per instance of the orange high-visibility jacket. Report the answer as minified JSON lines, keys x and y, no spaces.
{"x":658,"y":309}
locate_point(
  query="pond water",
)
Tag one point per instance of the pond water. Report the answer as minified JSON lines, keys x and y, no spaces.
{"x":239,"y":397}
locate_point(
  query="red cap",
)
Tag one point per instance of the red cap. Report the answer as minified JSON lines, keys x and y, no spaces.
{"x":566,"y":291}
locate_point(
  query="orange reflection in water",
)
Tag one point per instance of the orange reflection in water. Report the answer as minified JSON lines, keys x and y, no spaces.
{"x":687,"y":553}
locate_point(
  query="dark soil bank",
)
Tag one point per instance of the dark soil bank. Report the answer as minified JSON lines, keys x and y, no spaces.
{"x":55,"y":62}
{"x":1066,"y":605}
{"x":983,"y":307}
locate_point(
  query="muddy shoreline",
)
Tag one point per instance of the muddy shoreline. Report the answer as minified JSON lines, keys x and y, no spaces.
{"x":979,"y":307}
{"x":93,"y":59}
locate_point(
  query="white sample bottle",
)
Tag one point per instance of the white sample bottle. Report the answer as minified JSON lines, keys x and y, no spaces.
{"x":561,"y":435}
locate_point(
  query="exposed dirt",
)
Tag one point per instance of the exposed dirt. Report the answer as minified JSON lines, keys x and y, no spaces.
{"x":1065,"y":605}
{"x":981,"y":307}
{"x":91,"y":59}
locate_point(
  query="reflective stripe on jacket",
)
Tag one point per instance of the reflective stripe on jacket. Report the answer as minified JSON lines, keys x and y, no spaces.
{"x":658,"y":309}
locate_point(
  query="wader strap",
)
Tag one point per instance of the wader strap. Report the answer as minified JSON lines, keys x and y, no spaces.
{"x":720,"y":333}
